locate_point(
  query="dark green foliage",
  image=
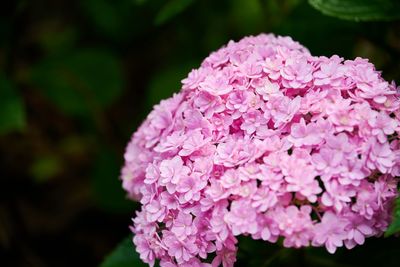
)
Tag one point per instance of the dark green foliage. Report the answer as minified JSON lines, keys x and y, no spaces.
{"x":124,"y":255}
{"x":167,"y":82}
{"x":359,"y":10}
{"x":108,"y":192}
{"x":171,"y":9}
{"x":12,"y":111}
{"x":256,"y":253}
{"x":395,"y":226}
{"x":80,"y":82}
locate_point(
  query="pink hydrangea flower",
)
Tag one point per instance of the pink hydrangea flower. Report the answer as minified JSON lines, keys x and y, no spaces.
{"x":230,"y":179}
{"x":337,"y":196}
{"x":242,"y":217}
{"x":381,"y":157}
{"x":252,"y":121}
{"x":297,"y":72}
{"x":183,"y":226}
{"x":305,"y":135}
{"x":181,"y":250}
{"x":283,"y":109}
{"x":190,"y":187}
{"x":264,"y":199}
{"x":295,"y":225}
{"x":265,"y":140}
{"x":382,"y":126}
{"x":171,"y":172}
{"x":330,"y":231}
{"x":331,"y":72}
{"x":143,"y":247}
{"x":269,"y":89}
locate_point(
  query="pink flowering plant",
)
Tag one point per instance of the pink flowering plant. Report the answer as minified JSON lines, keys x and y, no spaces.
{"x":267,"y":141}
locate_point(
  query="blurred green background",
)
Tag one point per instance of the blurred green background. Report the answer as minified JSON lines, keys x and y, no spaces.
{"x":77,"y":78}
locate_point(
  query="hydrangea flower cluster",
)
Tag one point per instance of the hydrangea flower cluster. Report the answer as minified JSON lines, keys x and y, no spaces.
{"x":268,"y":141}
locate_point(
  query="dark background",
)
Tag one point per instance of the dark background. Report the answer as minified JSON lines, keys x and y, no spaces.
{"x":77,"y":78}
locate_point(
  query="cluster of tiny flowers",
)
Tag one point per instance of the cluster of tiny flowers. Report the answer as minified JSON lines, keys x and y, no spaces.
{"x":265,"y":140}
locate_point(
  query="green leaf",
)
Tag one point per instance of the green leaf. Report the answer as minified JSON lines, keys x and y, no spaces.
{"x":328,"y":36}
{"x":248,"y":16}
{"x":111,"y":18}
{"x":139,"y":2}
{"x":171,"y":9}
{"x":12,"y":112}
{"x":394,"y":227}
{"x":55,"y":38}
{"x":359,"y":10}
{"x":107,"y":188}
{"x":80,"y":82}
{"x":46,"y":167}
{"x":167,"y":81}
{"x":103,"y":14}
{"x":124,"y":255}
